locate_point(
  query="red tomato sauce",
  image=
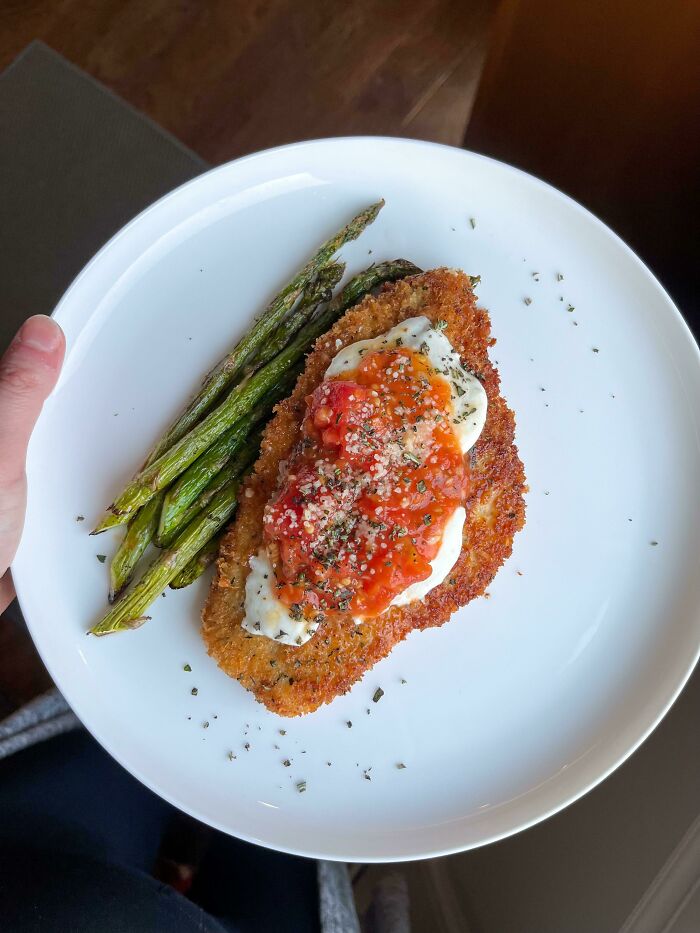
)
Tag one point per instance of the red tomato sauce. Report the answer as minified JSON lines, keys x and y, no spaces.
{"x":363,"y":501}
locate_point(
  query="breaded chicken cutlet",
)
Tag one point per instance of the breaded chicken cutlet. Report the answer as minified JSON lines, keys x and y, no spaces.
{"x":289,"y":679}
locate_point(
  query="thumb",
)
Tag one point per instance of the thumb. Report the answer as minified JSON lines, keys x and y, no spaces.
{"x":28,"y":372}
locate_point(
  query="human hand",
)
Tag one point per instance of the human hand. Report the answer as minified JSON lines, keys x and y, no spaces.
{"x":28,"y":372}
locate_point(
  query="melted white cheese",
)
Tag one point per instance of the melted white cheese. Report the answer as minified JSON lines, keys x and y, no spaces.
{"x":265,"y":614}
{"x":417,"y":333}
{"x":441,"y":564}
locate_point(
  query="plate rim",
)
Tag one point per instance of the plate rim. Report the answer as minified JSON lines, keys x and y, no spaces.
{"x":21,"y":578}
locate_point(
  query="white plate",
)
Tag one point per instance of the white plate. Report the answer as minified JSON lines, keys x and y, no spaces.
{"x":523,"y":701}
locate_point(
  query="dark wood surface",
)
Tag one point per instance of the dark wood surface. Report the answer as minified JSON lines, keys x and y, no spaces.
{"x":602,"y":99}
{"x":229,"y":77}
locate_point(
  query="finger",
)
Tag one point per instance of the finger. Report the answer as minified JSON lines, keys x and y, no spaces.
{"x":28,"y":372}
{"x":7,"y":591}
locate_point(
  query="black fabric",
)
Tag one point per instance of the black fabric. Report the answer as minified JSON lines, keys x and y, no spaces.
{"x":79,"y":837}
{"x":271,"y":891}
{"x":55,"y":892}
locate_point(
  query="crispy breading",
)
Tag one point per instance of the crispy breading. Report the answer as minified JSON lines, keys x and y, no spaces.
{"x":294,"y":680}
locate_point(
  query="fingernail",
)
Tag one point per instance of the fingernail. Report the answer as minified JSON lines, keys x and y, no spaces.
{"x":40,"y":333}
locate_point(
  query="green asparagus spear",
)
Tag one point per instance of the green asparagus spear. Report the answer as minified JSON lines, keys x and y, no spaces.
{"x":128,"y":612}
{"x":319,"y":291}
{"x":186,"y":489}
{"x":196,"y":478}
{"x":137,"y":538}
{"x":244,"y":397}
{"x":364,"y":282}
{"x":144,"y":526}
{"x":189,"y":498}
{"x":199,"y":563}
{"x":234,"y":363}
{"x":224,"y":476}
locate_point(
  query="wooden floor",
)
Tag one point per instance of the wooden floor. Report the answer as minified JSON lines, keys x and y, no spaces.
{"x":230,"y":77}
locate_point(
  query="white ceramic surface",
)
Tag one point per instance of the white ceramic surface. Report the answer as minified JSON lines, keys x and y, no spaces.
{"x":524,"y":700}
